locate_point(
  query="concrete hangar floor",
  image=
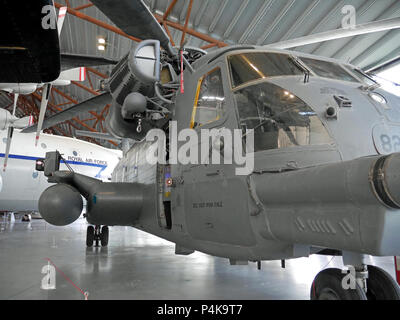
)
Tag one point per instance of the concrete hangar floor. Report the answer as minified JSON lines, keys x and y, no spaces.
{"x":137,"y":265}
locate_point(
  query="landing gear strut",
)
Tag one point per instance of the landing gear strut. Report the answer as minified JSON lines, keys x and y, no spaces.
{"x":97,"y":234}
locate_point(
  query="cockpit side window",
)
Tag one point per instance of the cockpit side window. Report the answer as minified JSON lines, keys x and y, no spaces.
{"x":279,"y":118}
{"x":366,"y":79}
{"x":247,"y":67}
{"x":209,"y":102}
{"x":328,"y":69}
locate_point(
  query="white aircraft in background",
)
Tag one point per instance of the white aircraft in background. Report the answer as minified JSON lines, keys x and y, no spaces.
{"x":21,"y":185}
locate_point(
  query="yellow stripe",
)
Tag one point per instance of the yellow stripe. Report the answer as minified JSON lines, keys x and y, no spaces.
{"x":195,"y":102}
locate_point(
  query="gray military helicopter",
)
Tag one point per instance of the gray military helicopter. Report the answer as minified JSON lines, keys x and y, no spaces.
{"x":325,"y":178}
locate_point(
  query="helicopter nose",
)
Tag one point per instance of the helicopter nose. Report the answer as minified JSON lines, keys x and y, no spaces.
{"x":386,"y":180}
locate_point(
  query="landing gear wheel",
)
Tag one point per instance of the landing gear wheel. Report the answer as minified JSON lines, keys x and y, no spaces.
{"x":327,"y":285}
{"x":90,"y":236}
{"x":381,"y":285}
{"x":104,"y":236}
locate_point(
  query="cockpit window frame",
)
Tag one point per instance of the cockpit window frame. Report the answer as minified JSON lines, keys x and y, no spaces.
{"x":235,"y":53}
{"x":219,"y":121}
{"x":337,"y":63}
{"x":299,"y":57}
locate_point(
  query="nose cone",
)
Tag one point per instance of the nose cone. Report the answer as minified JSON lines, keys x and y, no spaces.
{"x":60,"y":205}
{"x":386,"y":180}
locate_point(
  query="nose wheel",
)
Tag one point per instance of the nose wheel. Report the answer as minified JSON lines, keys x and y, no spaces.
{"x":381,"y":286}
{"x":327,"y":285}
{"x":97,"y":235}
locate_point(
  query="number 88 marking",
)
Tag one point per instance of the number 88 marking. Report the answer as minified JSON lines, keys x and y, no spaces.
{"x":390,"y":144}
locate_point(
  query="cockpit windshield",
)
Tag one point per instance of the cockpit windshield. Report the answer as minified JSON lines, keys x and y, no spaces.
{"x":246,"y":67}
{"x":328,"y":69}
{"x":278,"y":117}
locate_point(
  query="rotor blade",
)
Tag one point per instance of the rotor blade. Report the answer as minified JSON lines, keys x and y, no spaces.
{"x":384,"y":66}
{"x":8,"y":145}
{"x":61,"y":18}
{"x":10,"y":132}
{"x":92,"y":104}
{"x":370,"y":27}
{"x":97,"y":135}
{"x":135,"y":19}
{"x":16,"y":95}
{"x":69,"y":61}
{"x":43,"y":107}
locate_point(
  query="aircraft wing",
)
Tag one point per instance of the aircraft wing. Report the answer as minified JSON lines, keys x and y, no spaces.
{"x":92,"y":104}
{"x":135,"y":19}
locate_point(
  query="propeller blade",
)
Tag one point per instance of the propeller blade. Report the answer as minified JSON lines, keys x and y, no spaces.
{"x":135,"y":19}
{"x":43,"y":107}
{"x":10,"y":135}
{"x":92,"y":104}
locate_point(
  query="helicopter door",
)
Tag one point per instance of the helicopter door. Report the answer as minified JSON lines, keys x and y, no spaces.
{"x":214,"y":197}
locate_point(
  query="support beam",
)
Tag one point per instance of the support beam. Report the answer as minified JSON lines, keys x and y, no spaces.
{"x":97,"y":73}
{"x":169,"y":34}
{"x":84,"y":6}
{"x":209,"y":46}
{"x":169,"y":9}
{"x":186,"y":23}
{"x":79,"y":85}
{"x":192,"y":32}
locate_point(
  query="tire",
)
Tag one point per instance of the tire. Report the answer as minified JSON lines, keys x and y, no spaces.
{"x":381,"y":285}
{"x":104,"y":236}
{"x":327,"y":285}
{"x":90,"y":236}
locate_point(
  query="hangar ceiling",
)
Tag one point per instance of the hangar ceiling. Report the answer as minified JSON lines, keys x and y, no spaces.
{"x":212,"y":24}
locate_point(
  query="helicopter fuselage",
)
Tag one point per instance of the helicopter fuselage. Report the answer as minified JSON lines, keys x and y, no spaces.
{"x":300,"y":198}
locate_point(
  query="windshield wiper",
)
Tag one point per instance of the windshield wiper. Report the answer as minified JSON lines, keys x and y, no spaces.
{"x":302,"y":67}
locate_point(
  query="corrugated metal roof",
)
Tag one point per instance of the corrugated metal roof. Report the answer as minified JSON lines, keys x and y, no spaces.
{"x":244,"y":22}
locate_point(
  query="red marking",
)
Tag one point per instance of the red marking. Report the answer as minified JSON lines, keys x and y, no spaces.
{"x":169,"y":182}
{"x":62,"y":12}
{"x":313,"y":288}
{"x":182,"y":81}
{"x":397,"y":268}
{"x":85,"y":294}
{"x":82,"y":74}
